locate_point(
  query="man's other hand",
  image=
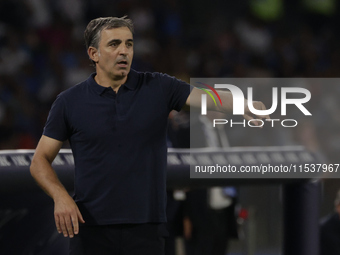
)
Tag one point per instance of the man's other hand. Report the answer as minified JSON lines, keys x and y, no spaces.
{"x":67,"y":216}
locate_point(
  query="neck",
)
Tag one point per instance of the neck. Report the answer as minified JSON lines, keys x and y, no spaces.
{"x":114,"y":83}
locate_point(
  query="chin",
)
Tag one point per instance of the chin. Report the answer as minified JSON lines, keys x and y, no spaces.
{"x":121,"y":73}
{"x":125,"y":72}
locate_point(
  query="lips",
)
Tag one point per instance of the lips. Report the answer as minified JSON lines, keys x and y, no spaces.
{"x":122,"y":63}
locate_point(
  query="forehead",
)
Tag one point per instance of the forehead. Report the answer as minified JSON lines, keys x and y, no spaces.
{"x":120,"y":33}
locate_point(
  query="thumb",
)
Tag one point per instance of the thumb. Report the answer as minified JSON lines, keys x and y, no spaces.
{"x":80,"y":217}
{"x":251,"y":118}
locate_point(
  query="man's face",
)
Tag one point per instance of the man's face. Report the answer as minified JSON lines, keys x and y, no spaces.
{"x":115,"y":53}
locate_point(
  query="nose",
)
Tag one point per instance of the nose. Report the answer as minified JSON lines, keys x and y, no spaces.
{"x":123,"y":50}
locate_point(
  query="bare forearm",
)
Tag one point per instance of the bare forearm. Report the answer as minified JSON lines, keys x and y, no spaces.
{"x":45,"y":176}
{"x":66,"y":212}
{"x":225,"y":104}
{"x":195,"y":100}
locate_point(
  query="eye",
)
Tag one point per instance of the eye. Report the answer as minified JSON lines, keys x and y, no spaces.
{"x":129,"y":44}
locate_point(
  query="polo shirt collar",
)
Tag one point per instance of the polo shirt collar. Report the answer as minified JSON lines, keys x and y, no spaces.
{"x":131,"y":82}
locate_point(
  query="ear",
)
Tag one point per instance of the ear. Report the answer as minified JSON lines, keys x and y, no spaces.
{"x":93,"y":53}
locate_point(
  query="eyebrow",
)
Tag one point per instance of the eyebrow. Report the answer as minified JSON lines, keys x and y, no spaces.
{"x":118,"y":41}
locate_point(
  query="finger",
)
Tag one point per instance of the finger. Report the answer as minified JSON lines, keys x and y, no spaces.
{"x":248,"y":117}
{"x":63,"y":226}
{"x":264,"y":116}
{"x":57,"y":223}
{"x":254,"y":121}
{"x":69,"y":226}
{"x":75,"y":225}
{"x":260,"y":106}
{"x":75,"y":222}
{"x":80,"y":217}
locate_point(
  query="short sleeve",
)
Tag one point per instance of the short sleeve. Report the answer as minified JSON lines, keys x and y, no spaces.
{"x":56,"y":125}
{"x":176,"y":91}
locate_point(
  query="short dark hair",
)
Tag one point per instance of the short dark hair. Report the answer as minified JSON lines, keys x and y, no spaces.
{"x":96,"y":26}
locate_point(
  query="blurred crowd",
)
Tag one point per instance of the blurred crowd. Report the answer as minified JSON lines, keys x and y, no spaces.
{"x":42,"y":53}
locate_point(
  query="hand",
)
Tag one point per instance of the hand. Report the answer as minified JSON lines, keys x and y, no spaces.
{"x":248,"y":115}
{"x":67,"y":216}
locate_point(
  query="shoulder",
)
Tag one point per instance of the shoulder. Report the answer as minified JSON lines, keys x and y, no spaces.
{"x":71,"y":97}
{"x":150,"y":77}
{"x":74,"y":92}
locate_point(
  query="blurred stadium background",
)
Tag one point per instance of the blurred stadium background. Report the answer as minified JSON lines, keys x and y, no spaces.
{"x":42,"y":53}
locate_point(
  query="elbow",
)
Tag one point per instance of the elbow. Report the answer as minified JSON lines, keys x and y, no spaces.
{"x":33,"y":166}
{"x":38,"y":164}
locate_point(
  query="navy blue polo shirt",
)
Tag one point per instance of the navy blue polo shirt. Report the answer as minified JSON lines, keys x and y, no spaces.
{"x":119,"y":145}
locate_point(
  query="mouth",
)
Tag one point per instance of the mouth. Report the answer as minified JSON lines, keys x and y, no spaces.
{"x":122,"y":63}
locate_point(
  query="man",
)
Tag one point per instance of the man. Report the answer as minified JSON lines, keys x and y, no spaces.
{"x":116,"y":124}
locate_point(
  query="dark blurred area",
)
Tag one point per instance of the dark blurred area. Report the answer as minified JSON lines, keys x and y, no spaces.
{"x":42,"y":53}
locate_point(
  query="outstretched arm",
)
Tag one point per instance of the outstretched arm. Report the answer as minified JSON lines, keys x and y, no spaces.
{"x":66,"y":212}
{"x":194,"y":100}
